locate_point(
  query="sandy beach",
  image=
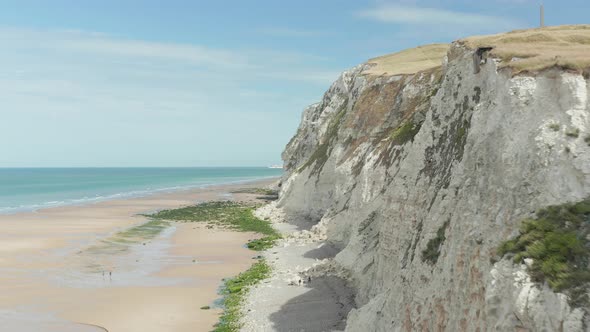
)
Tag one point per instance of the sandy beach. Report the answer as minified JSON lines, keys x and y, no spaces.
{"x":61,"y":269}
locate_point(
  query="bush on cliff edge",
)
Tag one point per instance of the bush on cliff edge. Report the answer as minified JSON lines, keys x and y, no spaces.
{"x":557,"y":241}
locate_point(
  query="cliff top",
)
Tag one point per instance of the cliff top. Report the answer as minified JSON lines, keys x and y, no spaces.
{"x":566,"y":46}
{"x":408,"y":61}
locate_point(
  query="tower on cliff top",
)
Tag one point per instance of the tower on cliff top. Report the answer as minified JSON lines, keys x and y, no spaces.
{"x":542,"y":12}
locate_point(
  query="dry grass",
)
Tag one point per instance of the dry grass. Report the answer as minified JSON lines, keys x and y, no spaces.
{"x":408,"y":61}
{"x":566,"y":46}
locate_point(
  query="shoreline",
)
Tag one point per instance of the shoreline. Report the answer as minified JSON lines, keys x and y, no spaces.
{"x":54,"y":263}
{"x":124,"y":195}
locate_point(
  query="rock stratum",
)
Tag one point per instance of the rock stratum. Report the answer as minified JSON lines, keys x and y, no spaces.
{"x":418,"y":165}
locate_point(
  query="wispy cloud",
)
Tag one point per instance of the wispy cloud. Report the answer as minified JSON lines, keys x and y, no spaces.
{"x":241,"y":63}
{"x":193,"y":54}
{"x":102,"y":44}
{"x":81,"y":93}
{"x":289,"y":32}
{"x":415,"y":15}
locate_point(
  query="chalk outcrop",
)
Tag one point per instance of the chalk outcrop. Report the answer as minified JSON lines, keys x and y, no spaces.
{"x":417,"y":179}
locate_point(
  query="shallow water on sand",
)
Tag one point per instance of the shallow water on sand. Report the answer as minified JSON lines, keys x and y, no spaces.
{"x":31,"y":321}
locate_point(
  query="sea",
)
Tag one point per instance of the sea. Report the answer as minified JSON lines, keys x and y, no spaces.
{"x":29,"y":189}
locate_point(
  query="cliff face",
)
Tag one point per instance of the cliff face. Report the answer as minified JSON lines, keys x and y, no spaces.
{"x":418,"y":178}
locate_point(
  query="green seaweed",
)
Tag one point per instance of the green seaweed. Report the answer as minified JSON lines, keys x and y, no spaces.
{"x":144,"y":231}
{"x":258,"y":191}
{"x":263,"y":243}
{"x":235,"y":291}
{"x":122,"y":241}
{"x":237,"y":216}
{"x":234,"y":215}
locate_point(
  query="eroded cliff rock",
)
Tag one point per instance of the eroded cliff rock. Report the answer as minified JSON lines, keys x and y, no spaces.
{"x":418,"y":178}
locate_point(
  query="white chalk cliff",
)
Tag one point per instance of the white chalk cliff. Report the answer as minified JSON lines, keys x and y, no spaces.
{"x":467,"y":150}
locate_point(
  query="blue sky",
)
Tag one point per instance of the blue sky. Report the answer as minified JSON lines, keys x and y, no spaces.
{"x":202,"y":83}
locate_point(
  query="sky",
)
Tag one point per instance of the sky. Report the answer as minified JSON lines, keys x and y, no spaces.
{"x":202,"y":83}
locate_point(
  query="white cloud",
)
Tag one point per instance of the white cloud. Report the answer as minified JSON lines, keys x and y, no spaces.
{"x":414,"y":15}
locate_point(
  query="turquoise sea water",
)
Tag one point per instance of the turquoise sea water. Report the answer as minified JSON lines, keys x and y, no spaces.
{"x":26,"y":189}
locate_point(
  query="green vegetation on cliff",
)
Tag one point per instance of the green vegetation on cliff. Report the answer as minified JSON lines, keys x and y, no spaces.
{"x":405,"y":132}
{"x":432,"y":251}
{"x":575,"y":133}
{"x":557,"y":242}
{"x":320,"y":155}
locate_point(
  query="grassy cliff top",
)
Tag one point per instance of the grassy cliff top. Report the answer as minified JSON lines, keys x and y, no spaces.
{"x":566,"y":46}
{"x":408,"y":61}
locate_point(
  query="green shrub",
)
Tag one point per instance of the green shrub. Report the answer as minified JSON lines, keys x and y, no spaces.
{"x":433,"y":247}
{"x":557,"y":243}
{"x":554,"y":126}
{"x":405,"y":132}
{"x":575,"y":133}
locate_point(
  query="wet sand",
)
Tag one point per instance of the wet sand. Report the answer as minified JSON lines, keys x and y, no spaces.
{"x":60,"y":270}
